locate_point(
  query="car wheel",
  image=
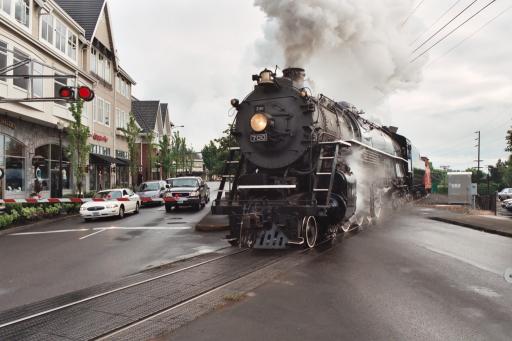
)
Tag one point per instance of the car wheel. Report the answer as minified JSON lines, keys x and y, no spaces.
{"x":197,"y":207}
{"x":87,"y":220}
{"x":121,"y":212}
{"x":168,"y":209}
{"x":137,"y":207}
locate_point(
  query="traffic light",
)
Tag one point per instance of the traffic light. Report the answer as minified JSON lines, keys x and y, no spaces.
{"x":85,"y":93}
{"x":66,"y":93}
{"x":82,"y":92}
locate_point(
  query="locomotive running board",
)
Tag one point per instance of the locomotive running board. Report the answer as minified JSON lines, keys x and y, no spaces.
{"x":267,"y":186}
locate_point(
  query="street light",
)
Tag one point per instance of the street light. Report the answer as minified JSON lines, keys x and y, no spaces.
{"x":60,"y":128}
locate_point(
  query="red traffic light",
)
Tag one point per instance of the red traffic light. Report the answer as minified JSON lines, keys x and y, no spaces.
{"x":85,"y":93}
{"x":66,"y":92}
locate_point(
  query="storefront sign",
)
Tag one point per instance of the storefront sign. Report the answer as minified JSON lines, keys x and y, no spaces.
{"x":7,"y":123}
{"x":99,"y":137}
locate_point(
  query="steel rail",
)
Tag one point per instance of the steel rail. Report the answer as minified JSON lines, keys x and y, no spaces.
{"x":200,"y":295}
{"x":45,"y":312}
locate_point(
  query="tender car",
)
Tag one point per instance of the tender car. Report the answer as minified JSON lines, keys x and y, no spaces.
{"x":186,"y":191}
{"x":150,"y":190}
{"x":110,"y":203}
{"x":505,"y":193}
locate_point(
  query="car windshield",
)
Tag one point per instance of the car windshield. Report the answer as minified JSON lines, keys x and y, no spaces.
{"x":149,"y":186}
{"x":184,"y":183}
{"x":108,"y":195}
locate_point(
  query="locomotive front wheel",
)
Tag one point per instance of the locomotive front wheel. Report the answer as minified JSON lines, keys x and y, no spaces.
{"x":310,"y":232}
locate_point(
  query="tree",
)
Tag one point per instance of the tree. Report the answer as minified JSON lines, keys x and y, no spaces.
{"x":79,"y":149}
{"x":150,"y":137}
{"x":165,"y":155}
{"x":508,"y":139}
{"x":181,"y":154}
{"x":217,"y":151}
{"x":132,"y":133}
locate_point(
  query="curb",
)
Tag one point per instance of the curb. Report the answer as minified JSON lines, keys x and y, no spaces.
{"x":15,"y":229}
{"x":473,"y":227}
{"x":211,"y":228}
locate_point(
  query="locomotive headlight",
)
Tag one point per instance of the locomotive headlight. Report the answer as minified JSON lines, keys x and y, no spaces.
{"x":259,"y":122}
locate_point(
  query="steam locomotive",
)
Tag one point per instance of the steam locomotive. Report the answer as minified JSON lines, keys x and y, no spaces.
{"x":308,"y":167}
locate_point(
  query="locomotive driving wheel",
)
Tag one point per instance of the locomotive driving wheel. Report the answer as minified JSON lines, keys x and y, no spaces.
{"x":310,"y":231}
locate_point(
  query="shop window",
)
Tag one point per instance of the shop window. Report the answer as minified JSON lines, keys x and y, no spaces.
{"x":46,"y":168}
{"x":20,"y":70}
{"x":14,"y":165}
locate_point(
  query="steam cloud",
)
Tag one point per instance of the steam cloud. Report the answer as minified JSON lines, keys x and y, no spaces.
{"x":356,"y":50}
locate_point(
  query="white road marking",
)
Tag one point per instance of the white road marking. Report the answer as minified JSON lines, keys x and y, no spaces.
{"x":144,"y":228}
{"x":47,"y":232}
{"x":91,"y":234}
{"x":464,"y":260}
{"x":101,"y":229}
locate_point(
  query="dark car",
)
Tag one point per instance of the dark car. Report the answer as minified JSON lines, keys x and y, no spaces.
{"x":187,"y":191}
{"x":150,"y":191}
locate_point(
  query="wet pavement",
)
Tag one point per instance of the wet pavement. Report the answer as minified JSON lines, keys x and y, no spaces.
{"x":54,"y":258}
{"x":409,"y":279}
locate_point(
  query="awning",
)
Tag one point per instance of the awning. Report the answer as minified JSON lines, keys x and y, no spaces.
{"x":122,"y":162}
{"x":98,"y":159}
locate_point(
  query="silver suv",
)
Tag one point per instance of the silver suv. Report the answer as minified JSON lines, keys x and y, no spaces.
{"x":505,"y":193}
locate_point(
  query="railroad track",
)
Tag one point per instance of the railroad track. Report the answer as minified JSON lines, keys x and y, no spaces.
{"x":115,"y":309}
{"x":102,"y":315}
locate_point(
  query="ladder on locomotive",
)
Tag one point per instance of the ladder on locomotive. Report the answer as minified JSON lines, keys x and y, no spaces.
{"x":329,"y":151}
{"x":226,"y":174}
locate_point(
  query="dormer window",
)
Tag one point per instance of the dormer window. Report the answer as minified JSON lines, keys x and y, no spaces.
{"x":22,"y":11}
{"x":59,"y":36}
{"x":17,"y":9}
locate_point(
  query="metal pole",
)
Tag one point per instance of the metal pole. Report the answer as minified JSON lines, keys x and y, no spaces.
{"x":60,"y":164}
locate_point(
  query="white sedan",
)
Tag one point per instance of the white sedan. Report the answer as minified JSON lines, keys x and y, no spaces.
{"x":110,"y":203}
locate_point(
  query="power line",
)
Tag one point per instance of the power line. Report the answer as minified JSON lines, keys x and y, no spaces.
{"x":470,"y":36}
{"x":444,"y":26}
{"x":452,"y":31}
{"x":412,"y":13}
{"x":436,"y":21}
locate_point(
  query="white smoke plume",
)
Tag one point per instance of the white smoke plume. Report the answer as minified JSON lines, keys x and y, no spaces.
{"x":355,"y":50}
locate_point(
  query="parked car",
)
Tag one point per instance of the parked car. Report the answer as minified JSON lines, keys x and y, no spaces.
{"x":505,"y":193}
{"x":150,"y":190}
{"x":106,"y":204}
{"x":507,"y":203}
{"x":187,"y":191}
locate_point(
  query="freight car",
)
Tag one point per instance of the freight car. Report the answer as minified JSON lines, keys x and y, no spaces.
{"x":306,"y":167}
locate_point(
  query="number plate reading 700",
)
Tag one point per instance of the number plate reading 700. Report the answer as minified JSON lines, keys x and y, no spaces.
{"x":259,"y":138}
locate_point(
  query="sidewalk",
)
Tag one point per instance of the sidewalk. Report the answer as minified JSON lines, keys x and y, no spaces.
{"x":491,"y":224}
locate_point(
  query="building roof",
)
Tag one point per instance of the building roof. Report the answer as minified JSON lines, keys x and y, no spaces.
{"x":163,"y":110}
{"x":84,"y":12}
{"x":145,"y":113}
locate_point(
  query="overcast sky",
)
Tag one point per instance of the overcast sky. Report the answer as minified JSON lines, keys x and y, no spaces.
{"x":197,"y":55}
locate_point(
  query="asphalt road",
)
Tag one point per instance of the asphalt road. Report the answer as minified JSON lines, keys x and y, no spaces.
{"x":35,"y":266}
{"x":409,"y":279}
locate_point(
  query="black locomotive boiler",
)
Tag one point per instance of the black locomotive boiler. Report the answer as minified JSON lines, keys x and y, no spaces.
{"x":306,"y":167}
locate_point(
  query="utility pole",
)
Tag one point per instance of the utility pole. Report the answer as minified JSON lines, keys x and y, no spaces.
{"x":478,"y":158}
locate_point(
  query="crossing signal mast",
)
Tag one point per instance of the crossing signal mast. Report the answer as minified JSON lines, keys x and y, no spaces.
{"x":24,"y":69}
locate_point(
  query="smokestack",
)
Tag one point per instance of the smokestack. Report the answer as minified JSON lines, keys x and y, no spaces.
{"x":297,"y":75}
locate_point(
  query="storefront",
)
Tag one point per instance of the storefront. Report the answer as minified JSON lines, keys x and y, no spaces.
{"x":29,"y":159}
{"x":107,"y":172}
